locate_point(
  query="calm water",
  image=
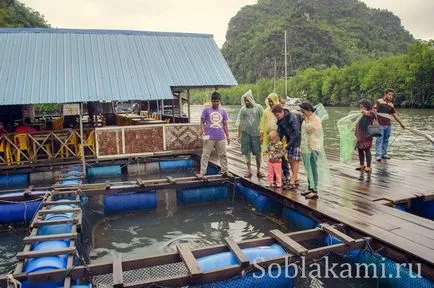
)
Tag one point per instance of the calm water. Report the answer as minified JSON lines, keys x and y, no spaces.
{"x":406,"y":146}
{"x":146,"y":233}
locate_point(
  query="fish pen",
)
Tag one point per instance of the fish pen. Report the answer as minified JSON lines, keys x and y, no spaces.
{"x":76,"y":212}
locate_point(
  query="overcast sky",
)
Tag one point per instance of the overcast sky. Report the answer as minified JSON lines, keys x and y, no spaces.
{"x":201,"y":16}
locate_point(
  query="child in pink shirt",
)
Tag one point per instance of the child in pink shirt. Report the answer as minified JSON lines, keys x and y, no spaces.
{"x":274,"y":152}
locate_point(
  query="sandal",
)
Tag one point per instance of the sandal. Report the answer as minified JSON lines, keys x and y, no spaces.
{"x":289,"y":186}
{"x":361,"y":168}
{"x":248,"y":175}
{"x":260,"y":175}
{"x":368,"y":169}
{"x":307,"y":192}
{"x":312,"y":196}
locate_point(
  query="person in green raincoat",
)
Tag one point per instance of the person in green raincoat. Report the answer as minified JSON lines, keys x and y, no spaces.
{"x":248,"y":121}
{"x":268,"y":124}
{"x":312,"y":150}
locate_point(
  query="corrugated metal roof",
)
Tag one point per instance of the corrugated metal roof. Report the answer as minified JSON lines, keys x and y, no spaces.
{"x":68,"y":65}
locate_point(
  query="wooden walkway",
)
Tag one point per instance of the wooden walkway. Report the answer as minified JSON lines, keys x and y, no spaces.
{"x":357,"y":200}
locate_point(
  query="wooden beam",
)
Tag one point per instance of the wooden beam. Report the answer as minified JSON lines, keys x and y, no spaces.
{"x":189,"y":260}
{"x":60,"y":202}
{"x":39,"y":223}
{"x":338,"y":234}
{"x":236,"y":250}
{"x":60,"y":211}
{"x":33,"y":239}
{"x":118,"y":278}
{"x":288,"y":243}
{"x":50,"y":252}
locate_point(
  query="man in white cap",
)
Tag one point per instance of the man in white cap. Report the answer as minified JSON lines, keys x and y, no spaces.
{"x":248,"y":121}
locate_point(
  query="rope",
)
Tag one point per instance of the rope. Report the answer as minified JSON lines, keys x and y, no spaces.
{"x":12,"y":281}
{"x":399,"y":133}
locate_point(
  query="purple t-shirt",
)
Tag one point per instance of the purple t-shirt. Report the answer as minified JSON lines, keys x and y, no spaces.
{"x":214,"y":123}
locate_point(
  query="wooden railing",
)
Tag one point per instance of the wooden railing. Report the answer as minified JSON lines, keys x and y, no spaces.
{"x":114,"y":142}
{"x":45,"y":146}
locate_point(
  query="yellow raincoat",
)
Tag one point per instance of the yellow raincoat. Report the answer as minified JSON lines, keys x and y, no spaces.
{"x":268,"y":120}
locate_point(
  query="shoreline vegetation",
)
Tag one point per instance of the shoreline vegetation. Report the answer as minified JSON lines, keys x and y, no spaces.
{"x":410,"y":74}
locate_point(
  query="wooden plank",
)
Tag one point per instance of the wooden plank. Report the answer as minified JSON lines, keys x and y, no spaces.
{"x":60,"y":202}
{"x":60,"y":211}
{"x":51,"y":252}
{"x":338,"y":234}
{"x":288,"y":243}
{"x":236,"y":250}
{"x":69,"y":264}
{"x":39,"y":223}
{"x":33,"y":239}
{"x":118,"y":278}
{"x":189,"y":260}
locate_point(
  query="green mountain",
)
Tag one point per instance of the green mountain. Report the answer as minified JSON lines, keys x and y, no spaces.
{"x":15,"y":14}
{"x":320,"y":33}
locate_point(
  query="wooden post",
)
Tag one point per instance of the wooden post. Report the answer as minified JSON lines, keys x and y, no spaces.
{"x":149,"y":108}
{"x":180,"y":104}
{"x":173,"y":110}
{"x":188,"y":101}
{"x":162,"y":109}
{"x":118,"y":279}
{"x":83,"y":158}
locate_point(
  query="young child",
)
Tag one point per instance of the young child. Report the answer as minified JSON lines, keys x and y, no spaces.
{"x":274,"y":152}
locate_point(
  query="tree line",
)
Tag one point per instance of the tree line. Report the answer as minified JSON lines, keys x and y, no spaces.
{"x":410,"y":74}
{"x":14,"y":14}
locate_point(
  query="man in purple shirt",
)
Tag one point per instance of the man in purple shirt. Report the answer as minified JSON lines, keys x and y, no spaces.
{"x":214,"y":128}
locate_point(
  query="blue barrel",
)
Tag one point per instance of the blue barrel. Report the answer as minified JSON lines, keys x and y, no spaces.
{"x":13,"y":180}
{"x":225,"y":259}
{"x":104,"y":171}
{"x":262,"y":203}
{"x":296,"y":220}
{"x":57,"y":228}
{"x":130,"y":202}
{"x":72,"y":172}
{"x":69,"y":182}
{"x":18,"y":212}
{"x":204,"y":194}
{"x":212,"y":170}
{"x":46,"y":263}
{"x":423,"y":208}
{"x":176,"y":164}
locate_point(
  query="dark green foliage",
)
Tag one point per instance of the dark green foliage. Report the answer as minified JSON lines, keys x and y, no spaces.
{"x":15,"y":14}
{"x":320,"y":34}
{"x":410,"y":74}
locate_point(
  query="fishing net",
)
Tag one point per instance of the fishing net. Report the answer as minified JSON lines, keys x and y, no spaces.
{"x":347,"y":137}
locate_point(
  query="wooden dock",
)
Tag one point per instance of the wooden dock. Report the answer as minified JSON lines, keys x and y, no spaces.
{"x":359,"y":200}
